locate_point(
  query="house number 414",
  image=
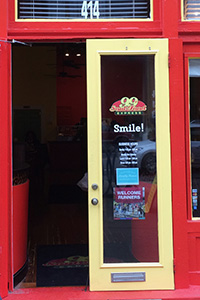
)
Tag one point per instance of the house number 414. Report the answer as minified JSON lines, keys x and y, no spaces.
{"x":90,"y":9}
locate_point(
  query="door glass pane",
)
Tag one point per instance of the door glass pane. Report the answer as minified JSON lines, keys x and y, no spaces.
{"x":194,"y":74}
{"x":192,"y":10}
{"x":129,"y":159}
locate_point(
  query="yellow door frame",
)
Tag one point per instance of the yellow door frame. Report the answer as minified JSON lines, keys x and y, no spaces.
{"x":158,"y":275}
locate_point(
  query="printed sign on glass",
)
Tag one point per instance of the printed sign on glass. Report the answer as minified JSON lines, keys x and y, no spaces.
{"x":129,"y":203}
{"x":127,"y":176}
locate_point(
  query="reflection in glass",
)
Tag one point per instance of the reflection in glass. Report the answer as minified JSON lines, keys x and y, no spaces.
{"x":129,"y":159}
{"x":194,"y":74}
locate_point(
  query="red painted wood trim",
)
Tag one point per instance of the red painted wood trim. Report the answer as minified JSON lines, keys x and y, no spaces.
{"x":189,"y":27}
{"x":82,"y":30}
{"x":5,"y":155}
{"x":193,"y":226}
{"x":81,"y":35}
{"x":5,"y":167}
{"x":170,"y":18}
{"x":20,"y":224}
{"x":179,"y":199}
{"x":69,"y":293}
{"x":194,"y":277}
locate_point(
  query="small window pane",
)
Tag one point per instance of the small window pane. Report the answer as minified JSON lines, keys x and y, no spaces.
{"x":192,"y":10}
{"x":194,"y":74}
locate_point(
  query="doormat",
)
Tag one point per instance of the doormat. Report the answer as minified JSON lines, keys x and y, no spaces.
{"x":62,"y":265}
{"x":66,"y":194}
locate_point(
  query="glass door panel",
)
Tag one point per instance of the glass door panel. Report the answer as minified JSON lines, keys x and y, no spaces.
{"x":129,"y":149}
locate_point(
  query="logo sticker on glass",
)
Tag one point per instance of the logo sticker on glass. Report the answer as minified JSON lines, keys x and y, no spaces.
{"x":127,"y":176}
{"x":128,"y":106}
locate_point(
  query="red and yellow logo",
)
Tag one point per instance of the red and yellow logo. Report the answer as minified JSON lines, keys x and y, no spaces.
{"x":128,"y":106}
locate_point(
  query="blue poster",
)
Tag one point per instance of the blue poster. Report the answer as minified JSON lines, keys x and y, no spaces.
{"x":127,"y":176}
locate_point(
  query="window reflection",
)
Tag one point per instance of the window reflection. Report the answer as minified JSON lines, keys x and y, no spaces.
{"x":194,"y":74}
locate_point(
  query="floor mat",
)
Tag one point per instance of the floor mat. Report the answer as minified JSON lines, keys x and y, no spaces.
{"x":62,"y":265}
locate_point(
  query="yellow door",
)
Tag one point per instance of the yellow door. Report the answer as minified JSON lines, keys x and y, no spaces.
{"x":129,"y":169}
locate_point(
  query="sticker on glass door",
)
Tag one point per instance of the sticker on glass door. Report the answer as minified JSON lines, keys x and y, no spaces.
{"x":129,"y":203}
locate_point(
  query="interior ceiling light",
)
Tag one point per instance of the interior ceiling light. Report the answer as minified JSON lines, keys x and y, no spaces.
{"x":66,"y":54}
{"x":78,"y":54}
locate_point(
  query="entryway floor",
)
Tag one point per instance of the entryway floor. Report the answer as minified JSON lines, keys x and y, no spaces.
{"x":53,"y":224}
{"x":79,"y":293}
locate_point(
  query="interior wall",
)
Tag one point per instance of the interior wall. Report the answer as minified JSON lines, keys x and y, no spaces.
{"x":34,"y":84}
{"x":71,"y":84}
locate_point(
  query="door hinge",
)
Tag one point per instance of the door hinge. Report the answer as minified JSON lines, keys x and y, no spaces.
{"x":174,"y":265}
{"x":169,"y":61}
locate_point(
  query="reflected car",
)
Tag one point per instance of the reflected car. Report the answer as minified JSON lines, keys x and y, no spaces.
{"x":146,"y":156}
{"x":146,"y":150}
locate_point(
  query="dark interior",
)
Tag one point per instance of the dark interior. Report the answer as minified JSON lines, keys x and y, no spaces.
{"x":50,"y":144}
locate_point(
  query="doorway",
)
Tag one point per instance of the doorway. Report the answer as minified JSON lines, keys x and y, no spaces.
{"x":50,"y":156}
{"x":127,"y":116}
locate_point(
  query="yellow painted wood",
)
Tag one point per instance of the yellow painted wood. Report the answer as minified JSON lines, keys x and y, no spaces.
{"x":158,"y":275}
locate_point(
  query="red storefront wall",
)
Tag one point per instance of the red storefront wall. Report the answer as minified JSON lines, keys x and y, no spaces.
{"x":167,"y":24}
